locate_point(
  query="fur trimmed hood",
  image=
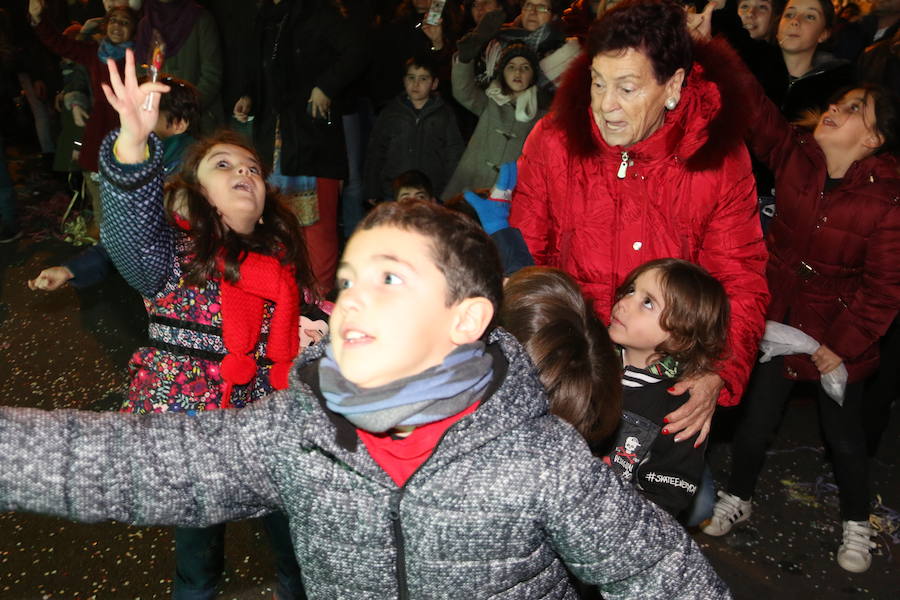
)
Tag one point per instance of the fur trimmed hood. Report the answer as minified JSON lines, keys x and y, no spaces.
{"x":705,"y":126}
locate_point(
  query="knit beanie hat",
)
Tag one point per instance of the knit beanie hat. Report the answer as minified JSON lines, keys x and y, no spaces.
{"x":511,"y":52}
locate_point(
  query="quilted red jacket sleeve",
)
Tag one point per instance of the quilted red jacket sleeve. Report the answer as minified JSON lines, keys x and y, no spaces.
{"x":734,"y":252}
{"x":530,"y":211}
{"x":870,"y":309}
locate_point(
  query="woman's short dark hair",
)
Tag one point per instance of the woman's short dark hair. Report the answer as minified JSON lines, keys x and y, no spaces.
{"x":695,"y":315}
{"x":657,"y":28}
{"x":570,"y":347}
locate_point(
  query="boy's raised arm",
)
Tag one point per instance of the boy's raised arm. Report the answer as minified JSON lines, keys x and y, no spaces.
{"x":160,"y":469}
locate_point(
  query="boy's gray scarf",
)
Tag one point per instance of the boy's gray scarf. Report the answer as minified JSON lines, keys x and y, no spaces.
{"x":434,"y":394}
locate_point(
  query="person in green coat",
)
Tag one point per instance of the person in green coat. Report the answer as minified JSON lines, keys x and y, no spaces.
{"x":507,"y":110}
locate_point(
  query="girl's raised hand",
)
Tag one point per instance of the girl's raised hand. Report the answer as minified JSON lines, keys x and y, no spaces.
{"x":128,"y":99}
{"x":700,"y":24}
{"x":35,"y":8}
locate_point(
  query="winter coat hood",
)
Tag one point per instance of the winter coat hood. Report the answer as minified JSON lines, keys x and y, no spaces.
{"x":704,"y":127}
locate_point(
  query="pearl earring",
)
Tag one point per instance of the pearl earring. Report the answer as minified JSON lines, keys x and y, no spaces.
{"x":671,"y":103}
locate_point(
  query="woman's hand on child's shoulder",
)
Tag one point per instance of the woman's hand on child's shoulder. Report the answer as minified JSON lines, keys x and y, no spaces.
{"x":695,"y":415}
{"x":137,"y":115}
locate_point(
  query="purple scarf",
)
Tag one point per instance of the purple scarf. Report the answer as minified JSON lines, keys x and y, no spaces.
{"x":173,"y":20}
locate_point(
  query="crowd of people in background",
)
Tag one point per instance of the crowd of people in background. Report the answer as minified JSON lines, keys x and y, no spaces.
{"x":665,"y":183}
{"x":348,"y":63}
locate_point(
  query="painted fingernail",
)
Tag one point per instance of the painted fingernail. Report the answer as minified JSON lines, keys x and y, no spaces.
{"x":666,"y":419}
{"x":677,"y":439}
{"x":671,"y":389}
{"x":665,"y":432}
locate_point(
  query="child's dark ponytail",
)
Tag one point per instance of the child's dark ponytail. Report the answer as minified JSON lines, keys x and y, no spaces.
{"x":570,"y":347}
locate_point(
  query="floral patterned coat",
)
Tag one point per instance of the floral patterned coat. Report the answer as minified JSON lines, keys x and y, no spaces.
{"x":178,"y":370}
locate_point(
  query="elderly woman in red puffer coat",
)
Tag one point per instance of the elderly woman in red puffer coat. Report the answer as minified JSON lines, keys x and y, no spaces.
{"x":642,"y":157}
{"x":834,"y":274}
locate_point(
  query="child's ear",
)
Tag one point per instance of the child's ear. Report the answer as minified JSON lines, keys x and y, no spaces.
{"x":180,"y":126}
{"x":434,"y":83}
{"x":473,"y":315}
{"x":873,"y":141}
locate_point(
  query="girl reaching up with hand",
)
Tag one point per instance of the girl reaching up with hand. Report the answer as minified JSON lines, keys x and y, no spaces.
{"x":834,"y":274}
{"x":223,"y":270}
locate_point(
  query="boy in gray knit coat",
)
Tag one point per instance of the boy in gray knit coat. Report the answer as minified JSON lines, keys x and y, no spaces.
{"x":412,"y":453}
{"x":502,"y":503}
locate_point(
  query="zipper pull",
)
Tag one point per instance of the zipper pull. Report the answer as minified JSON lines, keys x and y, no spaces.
{"x":623,"y":166}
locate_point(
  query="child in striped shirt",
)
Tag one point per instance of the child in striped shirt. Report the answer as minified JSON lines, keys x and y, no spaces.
{"x":670,"y":321}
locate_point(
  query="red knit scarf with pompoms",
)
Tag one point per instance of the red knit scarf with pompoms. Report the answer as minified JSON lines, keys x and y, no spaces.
{"x":262,"y":278}
{"x":243,"y":303}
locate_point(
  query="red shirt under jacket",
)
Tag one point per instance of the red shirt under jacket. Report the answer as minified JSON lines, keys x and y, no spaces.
{"x":400,"y":457}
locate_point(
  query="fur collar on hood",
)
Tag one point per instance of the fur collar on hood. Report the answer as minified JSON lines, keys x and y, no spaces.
{"x":706,"y":125}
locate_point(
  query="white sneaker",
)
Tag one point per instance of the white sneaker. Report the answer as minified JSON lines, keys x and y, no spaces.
{"x":854,"y":554}
{"x":728,"y":512}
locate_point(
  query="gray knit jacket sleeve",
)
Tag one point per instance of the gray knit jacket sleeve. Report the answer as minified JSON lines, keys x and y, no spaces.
{"x":134,"y":229}
{"x":166,"y":469}
{"x":608,"y":535}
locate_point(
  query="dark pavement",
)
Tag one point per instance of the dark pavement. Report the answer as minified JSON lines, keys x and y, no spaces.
{"x":69,"y":349}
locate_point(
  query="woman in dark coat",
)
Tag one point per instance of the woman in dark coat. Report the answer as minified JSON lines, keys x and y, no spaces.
{"x":305,"y":54}
{"x":192,"y":51}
